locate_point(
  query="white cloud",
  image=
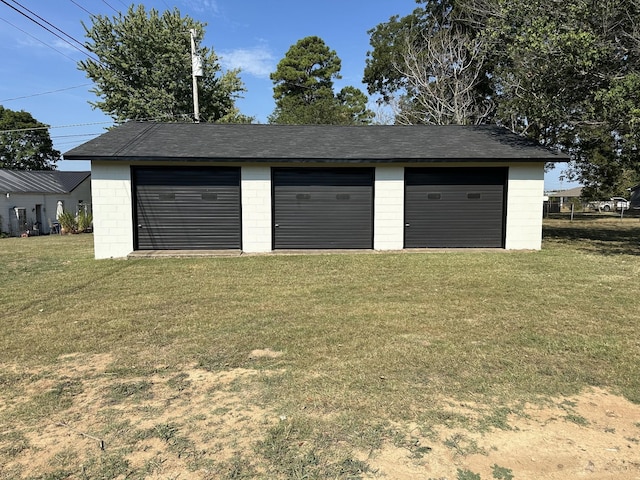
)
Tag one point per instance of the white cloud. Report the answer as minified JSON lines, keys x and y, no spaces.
{"x":257,"y":61}
{"x":203,"y":6}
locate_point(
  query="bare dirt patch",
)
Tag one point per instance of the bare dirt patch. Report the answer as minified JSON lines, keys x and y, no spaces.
{"x":594,"y":435}
{"x":264,"y":353}
{"x":80,"y":420}
{"x":165,"y":425}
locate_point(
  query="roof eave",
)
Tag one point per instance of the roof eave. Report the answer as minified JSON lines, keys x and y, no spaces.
{"x":145,"y":159}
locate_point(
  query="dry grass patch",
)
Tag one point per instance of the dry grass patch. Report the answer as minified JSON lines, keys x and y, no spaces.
{"x":322,"y":366}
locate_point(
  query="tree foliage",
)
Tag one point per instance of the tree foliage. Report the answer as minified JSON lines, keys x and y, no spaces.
{"x":144,"y":69}
{"x":564,"y":72}
{"x":25,"y":143}
{"x":304,"y":90}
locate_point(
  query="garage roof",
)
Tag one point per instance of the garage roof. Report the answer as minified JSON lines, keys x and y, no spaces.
{"x":136,"y":141}
{"x":44,"y":181}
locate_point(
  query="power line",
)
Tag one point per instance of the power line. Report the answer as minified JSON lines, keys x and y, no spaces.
{"x":49,"y":23}
{"x":82,"y":8}
{"x":77,"y":135}
{"x":107,"y":4}
{"x":153,"y":119}
{"x":47,"y":127}
{"x":44,"y":93}
{"x":49,"y":30}
{"x":38,"y":40}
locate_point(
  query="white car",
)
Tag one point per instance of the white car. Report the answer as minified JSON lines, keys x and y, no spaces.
{"x":615,"y":203}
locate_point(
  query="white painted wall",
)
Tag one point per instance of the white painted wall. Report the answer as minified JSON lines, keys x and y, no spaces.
{"x":388,"y":225}
{"x":524,"y":207}
{"x":112,"y":210}
{"x":255,"y":190}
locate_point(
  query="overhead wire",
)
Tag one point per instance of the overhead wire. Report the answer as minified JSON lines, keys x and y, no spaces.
{"x":47,"y":127}
{"x":44,"y":93}
{"x":111,"y":7}
{"x":84,"y":52}
{"x":81,"y":7}
{"x":38,"y":40}
{"x":76,"y":47}
{"x":49,"y":23}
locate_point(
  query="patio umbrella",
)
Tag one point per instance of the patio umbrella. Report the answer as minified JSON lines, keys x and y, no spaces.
{"x":59,"y":209}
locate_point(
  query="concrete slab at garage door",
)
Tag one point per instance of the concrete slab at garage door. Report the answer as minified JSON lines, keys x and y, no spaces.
{"x":455,"y":207}
{"x":323,"y":208}
{"x":180,"y":208}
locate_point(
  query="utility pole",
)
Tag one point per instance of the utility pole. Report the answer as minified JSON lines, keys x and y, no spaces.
{"x":196,"y":71}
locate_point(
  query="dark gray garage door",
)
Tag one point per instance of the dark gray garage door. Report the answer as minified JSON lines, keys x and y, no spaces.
{"x":325,"y":208}
{"x":187,"y":208}
{"x":454,"y":207}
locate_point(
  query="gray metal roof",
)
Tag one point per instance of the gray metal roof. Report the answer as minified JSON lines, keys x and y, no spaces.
{"x":571,"y":192}
{"x":142,"y":141}
{"x":49,"y":181}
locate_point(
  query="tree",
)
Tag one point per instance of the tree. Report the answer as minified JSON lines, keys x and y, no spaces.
{"x":303,"y":88}
{"x":142,"y":69}
{"x":565,"y":73}
{"x":25,"y":143}
{"x":442,"y":73}
{"x":431,"y":67}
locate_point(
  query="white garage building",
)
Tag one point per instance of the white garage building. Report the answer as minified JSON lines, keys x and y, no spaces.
{"x":260,"y":188}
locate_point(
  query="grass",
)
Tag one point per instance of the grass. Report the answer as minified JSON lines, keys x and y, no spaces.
{"x":367,"y":341}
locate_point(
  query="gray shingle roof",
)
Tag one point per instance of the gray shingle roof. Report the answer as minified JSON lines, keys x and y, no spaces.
{"x":50,"y":181}
{"x":221,"y":142}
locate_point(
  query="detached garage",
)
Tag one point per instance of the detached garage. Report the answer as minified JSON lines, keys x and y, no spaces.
{"x":263,"y":188}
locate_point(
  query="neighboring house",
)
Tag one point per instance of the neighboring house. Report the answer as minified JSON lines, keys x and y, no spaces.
{"x":259,"y":188}
{"x":30,"y":200}
{"x":560,"y":199}
{"x":634,"y":200}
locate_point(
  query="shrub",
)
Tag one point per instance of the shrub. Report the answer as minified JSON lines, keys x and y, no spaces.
{"x":68,"y":222}
{"x":84,"y":221}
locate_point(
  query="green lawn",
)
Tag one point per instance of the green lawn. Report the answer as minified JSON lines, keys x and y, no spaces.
{"x":361,"y":342}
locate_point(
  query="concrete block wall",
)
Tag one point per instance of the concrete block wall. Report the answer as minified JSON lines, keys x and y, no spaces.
{"x":255,"y":190}
{"x":112,"y":210}
{"x":388,"y":226}
{"x":525,"y":193}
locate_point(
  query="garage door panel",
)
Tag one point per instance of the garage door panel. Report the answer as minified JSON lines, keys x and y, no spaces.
{"x":188,"y":208}
{"x":447,"y":207}
{"x":323,"y":208}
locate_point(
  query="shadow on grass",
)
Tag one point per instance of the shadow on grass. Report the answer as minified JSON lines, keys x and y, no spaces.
{"x":606,"y":235}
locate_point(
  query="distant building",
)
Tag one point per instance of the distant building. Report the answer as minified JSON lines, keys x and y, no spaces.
{"x":557,"y":200}
{"x":31,"y":200}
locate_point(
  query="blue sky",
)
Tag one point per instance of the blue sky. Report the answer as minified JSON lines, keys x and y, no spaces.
{"x":249,"y":34}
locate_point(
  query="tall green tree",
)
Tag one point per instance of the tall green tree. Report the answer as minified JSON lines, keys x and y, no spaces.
{"x":25,"y":143}
{"x":143,"y":69}
{"x":566,"y":74}
{"x":562,"y":72}
{"x":304,"y":90}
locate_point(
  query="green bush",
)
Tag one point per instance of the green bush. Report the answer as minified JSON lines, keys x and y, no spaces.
{"x":68,"y":222}
{"x":84,"y":221}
